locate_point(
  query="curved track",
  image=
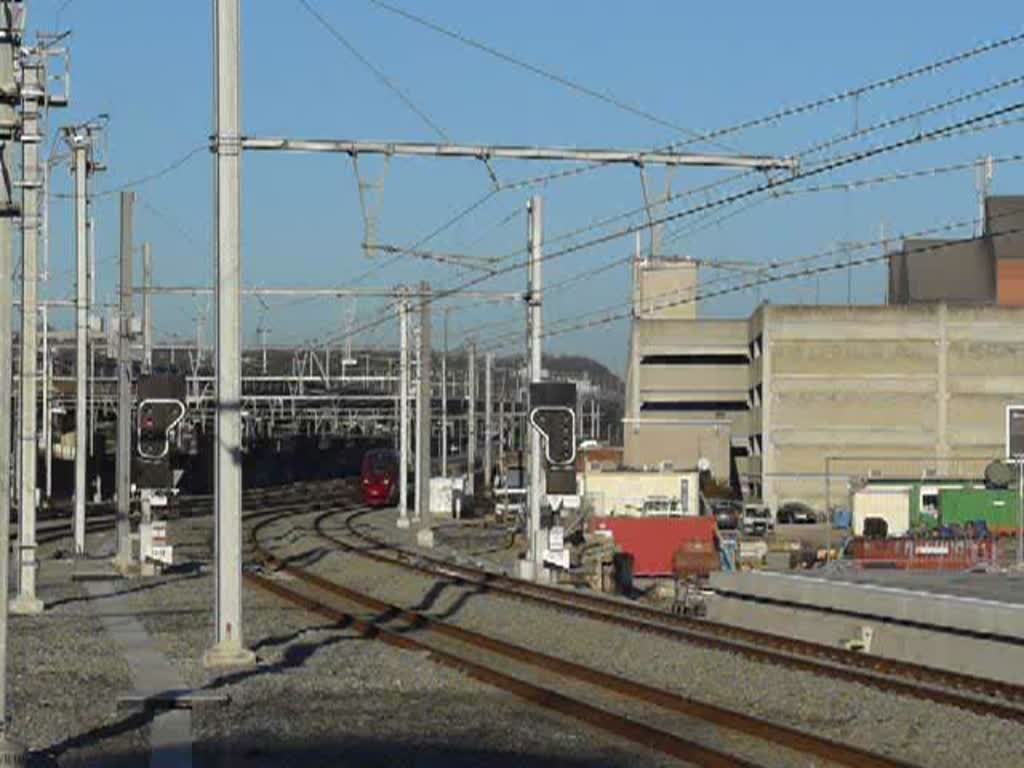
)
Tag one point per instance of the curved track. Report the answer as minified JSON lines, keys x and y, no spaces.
{"x":515,"y":668}
{"x":979,"y":695}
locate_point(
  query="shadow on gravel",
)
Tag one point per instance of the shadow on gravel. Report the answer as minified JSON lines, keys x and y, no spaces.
{"x":341,"y":753}
{"x":274,"y":640}
{"x":439,"y":587}
{"x":52,"y":755}
{"x":307,"y":558}
{"x":191,"y":573}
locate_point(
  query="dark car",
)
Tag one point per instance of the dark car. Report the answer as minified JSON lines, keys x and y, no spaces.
{"x":795,"y":513}
{"x":727,"y":515}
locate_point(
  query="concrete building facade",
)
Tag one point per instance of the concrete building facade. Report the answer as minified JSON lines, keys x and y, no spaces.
{"x":882,"y":383}
{"x":765,"y":400}
{"x":768,"y":399}
{"x":686,"y":388}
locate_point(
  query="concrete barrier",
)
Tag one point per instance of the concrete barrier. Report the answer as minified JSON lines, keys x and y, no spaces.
{"x":969,"y":635}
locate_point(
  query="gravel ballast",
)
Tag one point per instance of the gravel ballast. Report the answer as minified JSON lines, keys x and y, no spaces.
{"x":319,"y":697}
{"x":919,"y":732}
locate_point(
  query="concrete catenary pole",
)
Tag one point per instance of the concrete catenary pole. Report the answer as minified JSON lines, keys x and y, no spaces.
{"x":228,"y":648}
{"x":80,"y":154}
{"x":417,"y":486}
{"x":403,"y":414}
{"x":26,"y":601}
{"x":10,"y":751}
{"x":444,"y":399}
{"x":123,"y":467}
{"x":47,"y":408}
{"x":425,"y":535}
{"x":471,"y":419}
{"x":147,"y":307}
{"x":488,"y":420}
{"x":91,"y":241}
{"x":535,"y":358}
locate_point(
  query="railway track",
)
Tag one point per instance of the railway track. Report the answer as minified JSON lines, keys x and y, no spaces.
{"x":978,"y":695}
{"x":54,"y":528}
{"x":273,"y":504}
{"x":617,"y":705}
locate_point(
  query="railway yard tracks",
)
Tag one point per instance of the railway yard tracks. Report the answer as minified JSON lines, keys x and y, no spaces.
{"x":671,"y":722}
{"x":592,"y":695}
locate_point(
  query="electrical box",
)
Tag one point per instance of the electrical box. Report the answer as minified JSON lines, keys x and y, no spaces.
{"x":1014,"y":431}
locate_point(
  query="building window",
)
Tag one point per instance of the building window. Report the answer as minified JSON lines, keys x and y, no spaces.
{"x":685,"y":406}
{"x":695,"y":359}
{"x":684,"y":496}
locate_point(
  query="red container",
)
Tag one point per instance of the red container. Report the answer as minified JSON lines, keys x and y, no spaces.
{"x":923,"y":554}
{"x":655,"y":542}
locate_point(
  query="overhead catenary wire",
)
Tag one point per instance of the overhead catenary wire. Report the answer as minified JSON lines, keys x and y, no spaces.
{"x":831,"y":165}
{"x":381,"y":77}
{"x":802,"y":154}
{"x":570,"y":325}
{"x":935,"y":66}
{"x":539,"y":71}
{"x":854,"y":92}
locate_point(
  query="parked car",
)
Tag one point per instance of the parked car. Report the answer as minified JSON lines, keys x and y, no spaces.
{"x":727,"y":515}
{"x":795,"y":513}
{"x":757,"y":520}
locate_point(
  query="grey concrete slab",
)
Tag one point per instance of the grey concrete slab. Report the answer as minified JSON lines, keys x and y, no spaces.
{"x":170,"y":734}
{"x":946,"y":612}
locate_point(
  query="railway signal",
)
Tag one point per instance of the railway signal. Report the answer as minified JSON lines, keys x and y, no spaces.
{"x":557,"y":426}
{"x":161,"y":409}
{"x":553,"y":415}
{"x":155,"y":422}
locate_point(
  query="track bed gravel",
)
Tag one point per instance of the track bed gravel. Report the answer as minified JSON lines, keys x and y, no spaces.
{"x":326,"y":697}
{"x":922,"y":733}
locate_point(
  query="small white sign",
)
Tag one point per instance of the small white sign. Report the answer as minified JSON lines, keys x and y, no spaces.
{"x":559,"y":559}
{"x":162,"y":554}
{"x":556,"y":539}
{"x":159,"y":532}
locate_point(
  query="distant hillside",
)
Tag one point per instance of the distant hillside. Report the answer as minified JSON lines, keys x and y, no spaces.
{"x":576,"y":366}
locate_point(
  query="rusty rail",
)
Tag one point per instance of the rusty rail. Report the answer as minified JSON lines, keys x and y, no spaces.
{"x":663,"y":741}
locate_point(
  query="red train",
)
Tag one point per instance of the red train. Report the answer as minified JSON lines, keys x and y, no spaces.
{"x":380,"y":478}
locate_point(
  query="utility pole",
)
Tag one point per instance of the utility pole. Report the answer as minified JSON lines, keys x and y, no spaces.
{"x":501,"y":432}
{"x":535,"y":363}
{"x":403,"y":414}
{"x":11,"y":752}
{"x":228,"y":648}
{"x":425,"y":536}
{"x":147,"y":308}
{"x":33,"y":89}
{"x":123,"y":559}
{"x":488,"y":419}
{"x":417,"y":485}
{"x":80,"y":141}
{"x":263,"y":348}
{"x":471,"y":423}
{"x":444,"y":399}
{"x":91,"y":244}
{"x":47,"y":415}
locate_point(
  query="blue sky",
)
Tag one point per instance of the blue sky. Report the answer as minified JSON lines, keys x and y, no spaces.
{"x":701,"y":66}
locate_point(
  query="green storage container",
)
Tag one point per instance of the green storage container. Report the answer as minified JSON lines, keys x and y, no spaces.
{"x":999,"y":509}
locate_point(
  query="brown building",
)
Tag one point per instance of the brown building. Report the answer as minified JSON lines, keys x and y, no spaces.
{"x":980,"y":271}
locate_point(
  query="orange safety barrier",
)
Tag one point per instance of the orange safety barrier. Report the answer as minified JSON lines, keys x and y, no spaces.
{"x":923,"y":554}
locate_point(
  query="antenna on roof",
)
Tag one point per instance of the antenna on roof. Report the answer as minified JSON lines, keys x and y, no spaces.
{"x":983,"y":185}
